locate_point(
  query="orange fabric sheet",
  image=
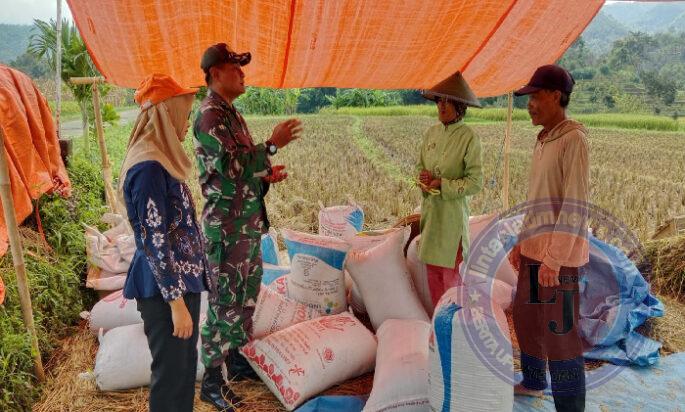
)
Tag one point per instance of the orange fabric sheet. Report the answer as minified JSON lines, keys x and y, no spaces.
{"x":33,"y":152}
{"x":378,"y":44}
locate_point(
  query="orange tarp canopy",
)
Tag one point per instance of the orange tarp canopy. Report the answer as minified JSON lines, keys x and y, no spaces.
{"x":379,"y":44}
{"x":33,"y":153}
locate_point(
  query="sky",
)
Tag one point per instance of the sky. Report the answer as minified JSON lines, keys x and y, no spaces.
{"x":24,"y":11}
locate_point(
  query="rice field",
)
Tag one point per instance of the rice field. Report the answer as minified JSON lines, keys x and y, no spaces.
{"x":636,"y":175}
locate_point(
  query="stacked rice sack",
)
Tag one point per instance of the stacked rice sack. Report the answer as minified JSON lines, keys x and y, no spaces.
{"x":109,"y":254}
{"x":305,"y":340}
{"x":123,"y":359}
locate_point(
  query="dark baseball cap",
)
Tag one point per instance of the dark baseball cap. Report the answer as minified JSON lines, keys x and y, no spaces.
{"x":220,"y":53}
{"x":549,"y":77}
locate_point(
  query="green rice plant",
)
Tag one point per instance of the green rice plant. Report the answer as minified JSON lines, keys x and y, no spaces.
{"x":473,"y":114}
{"x":629,"y":121}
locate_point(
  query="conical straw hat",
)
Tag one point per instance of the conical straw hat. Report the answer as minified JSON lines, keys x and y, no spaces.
{"x":455,"y":88}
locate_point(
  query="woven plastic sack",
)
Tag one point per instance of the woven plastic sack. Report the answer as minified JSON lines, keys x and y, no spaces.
{"x":316,"y":278}
{"x":400,"y":382}
{"x":385,"y":283}
{"x":306,"y":359}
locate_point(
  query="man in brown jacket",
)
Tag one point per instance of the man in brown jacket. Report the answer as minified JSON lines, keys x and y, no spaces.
{"x":553,"y":245}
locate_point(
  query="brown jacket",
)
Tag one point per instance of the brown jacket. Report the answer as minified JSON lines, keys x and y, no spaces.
{"x":559,"y":180}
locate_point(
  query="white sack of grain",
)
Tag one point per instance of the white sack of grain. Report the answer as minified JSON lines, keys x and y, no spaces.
{"x":400,"y":382}
{"x":316,"y":278}
{"x":342,"y":222}
{"x":306,"y":359}
{"x":274,"y":312}
{"x":385,"y":283}
{"x":465,"y":375}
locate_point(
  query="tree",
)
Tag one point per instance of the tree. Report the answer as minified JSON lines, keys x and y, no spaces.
{"x":363,"y":98}
{"x":311,"y":100}
{"x":631,"y":51}
{"x":31,"y":65}
{"x":660,"y":87}
{"x":267,"y":101}
{"x":76,"y":61}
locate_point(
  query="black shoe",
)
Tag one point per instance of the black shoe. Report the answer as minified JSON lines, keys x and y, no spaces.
{"x":215,"y":391}
{"x":238,"y":367}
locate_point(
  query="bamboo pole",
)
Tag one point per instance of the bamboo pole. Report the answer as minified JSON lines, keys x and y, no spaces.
{"x":58,"y":72}
{"x":507,"y":145}
{"x":99,"y":129}
{"x":18,"y":259}
{"x":106,"y":165}
{"x":86,"y":80}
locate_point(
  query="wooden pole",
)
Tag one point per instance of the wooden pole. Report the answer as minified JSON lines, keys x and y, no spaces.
{"x":86,"y":80}
{"x":106,"y":166}
{"x":507,"y":144}
{"x":58,"y":72}
{"x":18,"y":258}
{"x":99,"y":129}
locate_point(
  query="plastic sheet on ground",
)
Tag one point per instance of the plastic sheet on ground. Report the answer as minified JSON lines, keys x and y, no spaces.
{"x":609,"y":319}
{"x":657,"y":388}
{"x":614,"y":301}
{"x":334,"y":403}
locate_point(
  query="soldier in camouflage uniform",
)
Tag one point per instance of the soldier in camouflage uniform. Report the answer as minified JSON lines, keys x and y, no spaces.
{"x":235,"y":174}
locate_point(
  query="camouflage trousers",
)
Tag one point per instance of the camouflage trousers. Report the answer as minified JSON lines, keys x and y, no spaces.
{"x":236,"y":274}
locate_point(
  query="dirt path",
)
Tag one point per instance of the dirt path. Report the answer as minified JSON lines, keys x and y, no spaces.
{"x":73,"y":128}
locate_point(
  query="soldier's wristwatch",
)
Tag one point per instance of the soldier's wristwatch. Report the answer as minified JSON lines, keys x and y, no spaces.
{"x":271,"y":148}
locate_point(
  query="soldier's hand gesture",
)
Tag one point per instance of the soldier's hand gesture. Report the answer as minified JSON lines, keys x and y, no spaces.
{"x":286,"y":132}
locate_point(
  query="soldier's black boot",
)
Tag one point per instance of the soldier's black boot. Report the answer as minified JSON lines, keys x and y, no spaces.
{"x":238,"y":367}
{"x":215,"y":391}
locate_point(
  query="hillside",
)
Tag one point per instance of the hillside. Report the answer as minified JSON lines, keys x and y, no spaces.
{"x":602,"y":32}
{"x":13,"y":41}
{"x":648,"y":17}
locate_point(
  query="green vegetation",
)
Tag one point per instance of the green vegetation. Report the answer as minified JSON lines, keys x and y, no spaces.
{"x":610,"y":120}
{"x":629,"y":121}
{"x":70,"y":109}
{"x":76,"y":62}
{"x":56,"y":275}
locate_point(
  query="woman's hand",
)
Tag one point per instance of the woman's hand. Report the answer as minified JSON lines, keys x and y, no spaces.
{"x":435,"y":184}
{"x":183,"y":323}
{"x":425,"y":177}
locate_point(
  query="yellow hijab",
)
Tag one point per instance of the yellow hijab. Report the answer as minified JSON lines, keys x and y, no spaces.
{"x":157,"y":135}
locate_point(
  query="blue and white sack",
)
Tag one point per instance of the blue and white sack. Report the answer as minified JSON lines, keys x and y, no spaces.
{"x":316,"y":277}
{"x":271,"y":272}
{"x":341,"y":221}
{"x":270,"y":248}
{"x":470,"y":365}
